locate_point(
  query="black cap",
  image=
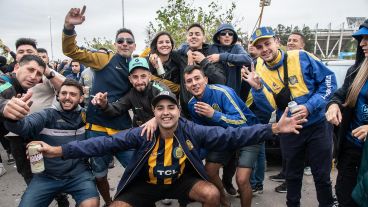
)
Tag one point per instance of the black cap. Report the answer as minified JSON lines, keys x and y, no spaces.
{"x":164,"y":95}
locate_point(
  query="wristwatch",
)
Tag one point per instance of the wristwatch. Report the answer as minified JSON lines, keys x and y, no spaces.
{"x":51,"y":75}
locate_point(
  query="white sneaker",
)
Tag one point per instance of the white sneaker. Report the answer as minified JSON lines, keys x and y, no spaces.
{"x":307,"y":171}
{"x":2,"y":169}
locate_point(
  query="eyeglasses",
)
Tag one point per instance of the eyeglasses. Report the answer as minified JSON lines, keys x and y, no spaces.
{"x":128,"y":40}
{"x":228,"y":33}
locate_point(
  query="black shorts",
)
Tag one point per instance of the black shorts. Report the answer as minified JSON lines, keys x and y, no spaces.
{"x":141,"y":193}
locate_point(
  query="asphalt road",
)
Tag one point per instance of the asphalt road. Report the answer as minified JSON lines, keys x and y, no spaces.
{"x":12,"y":187}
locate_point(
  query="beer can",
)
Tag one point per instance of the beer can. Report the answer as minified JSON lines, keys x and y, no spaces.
{"x":86,"y":92}
{"x":36,"y":158}
{"x":292,"y":106}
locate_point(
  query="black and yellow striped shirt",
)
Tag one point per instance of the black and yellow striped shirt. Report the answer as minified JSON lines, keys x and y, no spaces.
{"x":166,"y":162}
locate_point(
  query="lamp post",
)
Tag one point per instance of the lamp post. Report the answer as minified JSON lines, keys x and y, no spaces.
{"x":52,"y":49}
{"x":262,"y":4}
{"x":122,"y":3}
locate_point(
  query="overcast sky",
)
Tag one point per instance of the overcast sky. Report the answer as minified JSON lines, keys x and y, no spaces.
{"x":30,"y":18}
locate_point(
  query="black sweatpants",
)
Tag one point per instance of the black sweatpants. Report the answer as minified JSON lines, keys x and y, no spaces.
{"x":316,"y":142}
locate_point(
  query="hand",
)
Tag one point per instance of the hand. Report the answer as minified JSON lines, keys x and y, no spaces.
{"x":251,"y":77}
{"x":74,"y":17}
{"x":204,"y":109}
{"x":214,"y":58}
{"x":289,"y":124}
{"x":100,"y":100}
{"x":198,"y":57}
{"x":47,"y":150}
{"x":18,"y":107}
{"x":153,"y":60}
{"x":190,"y":57}
{"x":361,"y":132}
{"x":333,"y":114}
{"x":299,"y":110}
{"x":149,"y":127}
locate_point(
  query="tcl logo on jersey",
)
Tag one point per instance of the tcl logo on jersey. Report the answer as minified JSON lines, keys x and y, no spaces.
{"x":166,"y":172}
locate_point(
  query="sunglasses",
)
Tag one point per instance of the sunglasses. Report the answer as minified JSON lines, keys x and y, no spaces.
{"x":228,"y":33}
{"x":128,"y":40}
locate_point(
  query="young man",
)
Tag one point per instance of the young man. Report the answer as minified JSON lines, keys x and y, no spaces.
{"x":310,"y":84}
{"x":138,"y":99}
{"x":296,"y":41}
{"x":111,"y":75}
{"x":218,"y":105}
{"x":169,"y":166}
{"x":76,"y":70}
{"x":57,"y":126}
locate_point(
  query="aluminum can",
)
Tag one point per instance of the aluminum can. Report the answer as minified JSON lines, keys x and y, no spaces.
{"x":36,"y":158}
{"x":292,"y":106}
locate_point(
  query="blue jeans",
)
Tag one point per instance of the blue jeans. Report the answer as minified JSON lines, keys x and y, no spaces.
{"x":43,"y":189}
{"x":257,"y":176}
{"x":100,"y":164}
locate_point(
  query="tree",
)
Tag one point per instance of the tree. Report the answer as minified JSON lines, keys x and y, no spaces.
{"x":177,"y":15}
{"x":98,"y":42}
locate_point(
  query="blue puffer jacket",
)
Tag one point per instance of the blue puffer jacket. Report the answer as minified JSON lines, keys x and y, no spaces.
{"x":55,"y":127}
{"x":192,"y":137}
{"x":232,"y":57}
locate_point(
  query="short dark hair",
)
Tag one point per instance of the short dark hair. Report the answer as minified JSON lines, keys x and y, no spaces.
{"x":190,"y":68}
{"x":196,"y":25}
{"x":153,"y":45}
{"x":26,"y":41}
{"x":74,"y":61}
{"x":300,"y":34}
{"x":72,"y":82}
{"x":104,"y":49}
{"x":42,"y":50}
{"x":28,"y":58}
{"x":124,"y":30}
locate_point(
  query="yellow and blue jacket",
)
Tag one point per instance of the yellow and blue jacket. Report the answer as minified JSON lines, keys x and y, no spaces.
{"x":311,"y":83}
{"x":111,"y":75}
{"x":230,"y":110}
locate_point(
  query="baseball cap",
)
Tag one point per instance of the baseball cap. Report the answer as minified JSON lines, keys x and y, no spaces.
{"x":138,"y":63}
{"x":363,"y":30}
{"x":164,"y":95}
{"x":262,"y":33}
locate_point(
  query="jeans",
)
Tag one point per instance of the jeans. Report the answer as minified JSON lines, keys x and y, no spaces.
{"x":257,"y":176}
{"x":100,"y":164}
{"x":42,"y":189}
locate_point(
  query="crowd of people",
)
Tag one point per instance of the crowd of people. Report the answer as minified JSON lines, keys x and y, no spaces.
{"x":165,"y":113}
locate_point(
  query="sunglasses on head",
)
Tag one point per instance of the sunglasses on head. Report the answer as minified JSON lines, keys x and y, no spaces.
{"x":128,"y":40}
{"x":228,"y":33}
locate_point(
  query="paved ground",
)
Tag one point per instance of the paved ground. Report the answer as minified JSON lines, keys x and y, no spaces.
{"x":12,"y":186}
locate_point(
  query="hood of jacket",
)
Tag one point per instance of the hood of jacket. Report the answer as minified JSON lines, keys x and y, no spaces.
{"x":223,"y":27}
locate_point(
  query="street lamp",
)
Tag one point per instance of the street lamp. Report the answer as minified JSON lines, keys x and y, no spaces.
{"x":122,"y":2}
{"x":52,"y":49}
{"x":262,"y":4}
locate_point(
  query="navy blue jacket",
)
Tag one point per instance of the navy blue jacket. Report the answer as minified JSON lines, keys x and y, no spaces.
{"x":55,"y":127}
{"x":192,"y":137}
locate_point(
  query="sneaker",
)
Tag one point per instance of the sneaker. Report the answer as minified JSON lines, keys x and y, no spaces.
{"x":258,"y":189}
{"x":230,"y":190}
{"x":62,"y":200}
{"x":281,"y":188}
{"x":2,"y":169}
{"x":10,"y":159}
{"x":307,"y":171}
{"x":277,"y":178}
{"x":166,"y":201}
